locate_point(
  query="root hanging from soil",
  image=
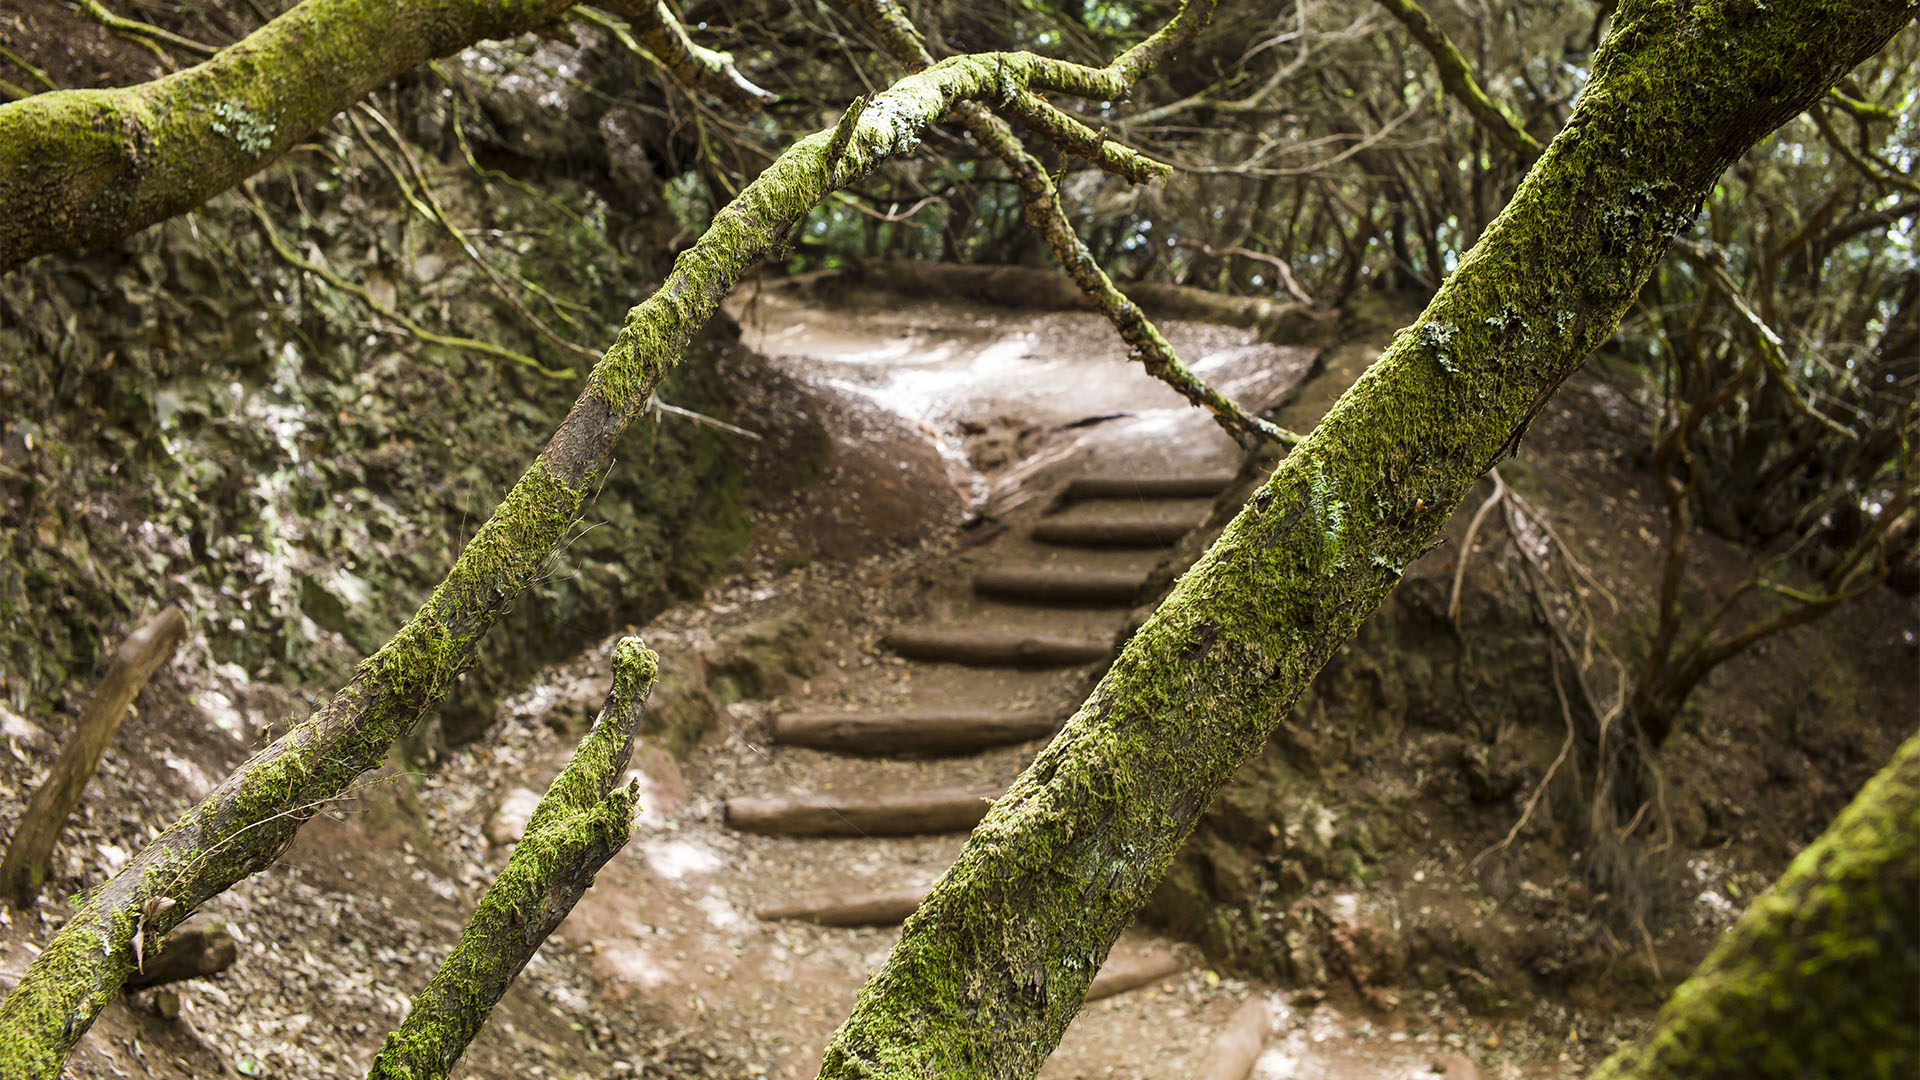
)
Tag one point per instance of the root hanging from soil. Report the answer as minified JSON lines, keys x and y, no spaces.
{"x":1628,"y":830}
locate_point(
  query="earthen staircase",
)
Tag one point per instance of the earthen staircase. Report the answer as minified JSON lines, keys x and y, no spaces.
{"x":1000,"y":663}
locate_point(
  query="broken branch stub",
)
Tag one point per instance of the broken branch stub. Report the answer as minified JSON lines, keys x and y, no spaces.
{"x":29,"y":858}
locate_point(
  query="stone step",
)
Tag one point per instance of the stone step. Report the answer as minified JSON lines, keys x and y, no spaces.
{"x":903,"y":813}
{"x":1124,"y":970}
{"x":1060,"y":585}
{"x":1111,"y":531}
{"x":945,"y":731}
{"x":1199,"y":486}
{"x":996,"y":648}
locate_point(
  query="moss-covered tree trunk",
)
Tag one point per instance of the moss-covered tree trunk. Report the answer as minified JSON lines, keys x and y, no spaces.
{"x":1821,"y":976}
{"x":80,"y":168}
{"x":991,"y":969}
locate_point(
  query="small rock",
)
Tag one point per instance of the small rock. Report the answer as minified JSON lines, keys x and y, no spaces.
{"x":510,"y":818}
{"x":26,"y":732}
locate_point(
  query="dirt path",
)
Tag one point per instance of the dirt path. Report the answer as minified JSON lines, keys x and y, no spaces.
{"x":1020,"y":407}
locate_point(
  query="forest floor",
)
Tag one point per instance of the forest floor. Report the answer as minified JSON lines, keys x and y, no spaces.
{"x":955,"y":428}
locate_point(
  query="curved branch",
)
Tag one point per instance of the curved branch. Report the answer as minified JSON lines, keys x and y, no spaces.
{"x":687,"y":61}
{"x":1457,"y":77}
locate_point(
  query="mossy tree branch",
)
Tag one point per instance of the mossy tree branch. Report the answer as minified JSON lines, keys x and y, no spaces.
{"x":1818,"y":976}
{"x":1456,"y":75}
{"x":82,"y":168}
{"x":990,"y":970}
{"x":581,"y":822}
{"x":1040,"y":203}
{"x":687,"y":61}
{"x":244,"y":825}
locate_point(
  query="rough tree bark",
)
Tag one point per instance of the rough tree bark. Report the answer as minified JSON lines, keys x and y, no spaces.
{"x":249,"y":819}
{"x":29,"y":858}
{"x":990,"y":970}
{"x":581,"y":822}
{"x":1821,"y":976}
{"x":81,"y":168}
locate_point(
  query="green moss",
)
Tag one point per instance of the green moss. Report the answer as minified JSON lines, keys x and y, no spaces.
{"x":1818,"y":977}
{"x":68,"y":961}
{"x":581,"y":821}
{"x":993,"y":966}
{"x":82,"y":168}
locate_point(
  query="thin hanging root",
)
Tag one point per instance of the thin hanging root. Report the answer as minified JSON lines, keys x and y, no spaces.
{"x":433,"y":211}
{"x":1540,"y":789}
{"x":25,"y":65}
{"x":1538,"y":579}
{"x":143,"y":33}
{"x":1466,"y":545}
{"x":1579,"y":568}
{"x":359,"y":292}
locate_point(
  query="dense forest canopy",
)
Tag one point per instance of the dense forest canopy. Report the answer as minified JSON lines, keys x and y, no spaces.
{"x":294,"y":292}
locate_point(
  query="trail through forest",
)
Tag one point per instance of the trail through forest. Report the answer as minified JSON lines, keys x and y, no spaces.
{"x":1046,"y":431}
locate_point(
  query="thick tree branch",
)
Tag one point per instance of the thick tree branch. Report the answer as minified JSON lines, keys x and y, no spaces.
{"x":993,"y":966}
{"x":253,"y":815}
{"x":1457,"y":77}
{"x":581,"y":822}
{"x":81,"y":168}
